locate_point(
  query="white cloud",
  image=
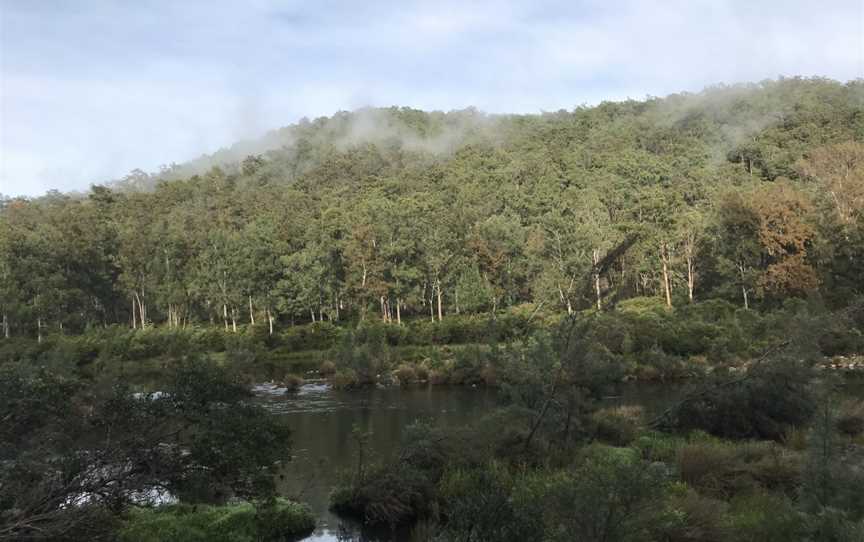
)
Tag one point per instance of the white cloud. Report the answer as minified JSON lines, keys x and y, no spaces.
{"x":93,"y":89}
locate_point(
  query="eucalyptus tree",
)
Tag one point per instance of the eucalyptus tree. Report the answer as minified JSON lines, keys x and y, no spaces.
{"x":497,"y":244}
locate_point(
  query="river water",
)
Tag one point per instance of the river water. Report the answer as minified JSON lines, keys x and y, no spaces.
{"x":322,"y":420}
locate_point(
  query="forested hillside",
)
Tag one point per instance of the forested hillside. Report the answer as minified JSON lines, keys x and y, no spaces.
{"x":751,"y":193}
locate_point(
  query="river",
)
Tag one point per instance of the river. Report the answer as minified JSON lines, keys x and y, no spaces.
{"x":322,"y":420}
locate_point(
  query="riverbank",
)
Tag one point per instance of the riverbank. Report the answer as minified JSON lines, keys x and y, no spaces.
{"x":324,"y":420}
{"x":642,"y":340}
{"x":548,"y":415}
{"x":279,"y":520}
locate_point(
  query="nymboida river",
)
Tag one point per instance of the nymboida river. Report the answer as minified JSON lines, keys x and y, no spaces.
{"x":322,"y":420}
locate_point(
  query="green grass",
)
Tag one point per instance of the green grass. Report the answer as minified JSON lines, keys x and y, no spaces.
{"x":228,"y":523}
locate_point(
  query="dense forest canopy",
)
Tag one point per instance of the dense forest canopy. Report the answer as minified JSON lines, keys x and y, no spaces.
{"x":752,"y":193}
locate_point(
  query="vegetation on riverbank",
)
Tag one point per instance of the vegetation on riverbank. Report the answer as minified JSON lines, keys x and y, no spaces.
{"x":642,"y":339}
{"x":765,"y":454}
{"x":76,"y":453}
{"x":281,"y":520}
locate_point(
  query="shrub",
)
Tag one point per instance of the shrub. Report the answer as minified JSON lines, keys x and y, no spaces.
{"x":610,"y":496}
{"x":405,"y":374}
{"x":796,"y":438}
{"x":328,"y":368}
{"x":488,"y":375}
{"x":468,"y":364}
{"x":389,"y":495}
{"x":284,"y":519}
{"x":377,"y":332}
{"x":241,"y":349}
{"x":689,"y":516}
{"x":489,"y":503}
{"x":437,"y":377}
{"x":618,"y":426}
{"x":317,"y":336}
{"x":850,"y":418}
{"x":841,"y":341}
{"x":751,"y":407}
{"x":365,"y":361}
{"x":293,"y":382}
{"x":772,"y":466}
{"x":344,"y":379}
{"x":657,"y":446}
{"x":723,"y":469}
{"x":707,"y":466}
{"x":765,"y":517}
{"x":834,"y":525}
{"x":663,"y":365}
{"x":209,"y":339}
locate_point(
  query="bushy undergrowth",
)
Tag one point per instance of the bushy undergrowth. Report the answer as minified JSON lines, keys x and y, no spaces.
{"x":767,"y":401}
{"x":279,"y":521}
{"x":472,"y":484}
{"x":643,"y":338}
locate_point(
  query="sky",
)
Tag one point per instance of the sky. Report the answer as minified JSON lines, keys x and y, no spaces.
{"x":92,"y":89}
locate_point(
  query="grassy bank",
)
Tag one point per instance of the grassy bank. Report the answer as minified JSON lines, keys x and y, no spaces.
{"x":282,"y":520}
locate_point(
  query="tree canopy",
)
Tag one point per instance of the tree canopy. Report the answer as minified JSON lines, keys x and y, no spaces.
{"x":750,"y":192}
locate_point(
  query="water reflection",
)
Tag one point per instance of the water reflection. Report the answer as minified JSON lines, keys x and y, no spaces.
{"x":322,"y":419}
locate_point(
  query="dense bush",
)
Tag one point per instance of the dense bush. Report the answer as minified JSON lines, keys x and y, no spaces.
{"x":316,"y":336}
{"x":490,"y":504}
{"x":850,"y":418}
{"x":610,"y":496}
{"x":387,"y":495}
{"x":618,"y":426}
{"x":765,"y":517}
{"x":688,"y":516}
{"x":396,"y":493}
{"x":765,"y":403}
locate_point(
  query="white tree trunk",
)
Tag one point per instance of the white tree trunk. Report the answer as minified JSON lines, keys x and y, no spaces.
{"x":440,"y":304}
{"x":664,"y":257}
{"x":691,"y":279}
{"x":596,"y":260}
{"x":270,"y":320}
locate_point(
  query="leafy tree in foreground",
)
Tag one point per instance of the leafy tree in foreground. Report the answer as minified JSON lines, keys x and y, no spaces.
{"x":72,"y":457}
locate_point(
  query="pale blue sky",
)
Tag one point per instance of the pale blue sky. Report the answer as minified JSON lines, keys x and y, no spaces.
{"x":90,"y":89}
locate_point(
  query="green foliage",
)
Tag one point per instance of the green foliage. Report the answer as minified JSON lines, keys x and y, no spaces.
{"x":65,"y":440}
{"x":277,"y":521}
{"x":549,"y":255}
{"x":489,"y":504}
{"x":514,"y":211}
{"x":768,"y":517}
{"x":752,"y":405}
{"x":610,"y":496}
{"x":618,"y":426}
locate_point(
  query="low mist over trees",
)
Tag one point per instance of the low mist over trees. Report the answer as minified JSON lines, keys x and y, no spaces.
{"x":750,"y":193}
